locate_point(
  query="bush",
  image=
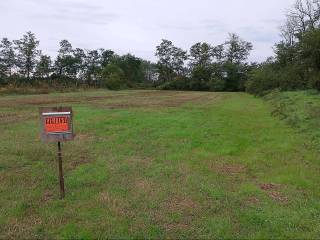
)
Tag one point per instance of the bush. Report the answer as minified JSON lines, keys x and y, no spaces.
{"x":113,"y":77}
{"x":217,"y":84}
{"x":262,"y":80}
{"x":178,"y":83}
{"x":314,"y":80}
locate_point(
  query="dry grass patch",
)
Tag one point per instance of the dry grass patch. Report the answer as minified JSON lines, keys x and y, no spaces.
{"x":47,"y":196}
{"x":17,"y":228}
{"x":152,"y":100}
{"x":185,"y":210}
{"x":116,"y":205}
{"x":14,"y":117}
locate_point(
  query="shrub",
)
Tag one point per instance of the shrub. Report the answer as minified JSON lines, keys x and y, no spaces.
{"x":113,"y":77}
{"x":179,"y":83}
{"x":262,"y":80}
{"x":217,"y":84}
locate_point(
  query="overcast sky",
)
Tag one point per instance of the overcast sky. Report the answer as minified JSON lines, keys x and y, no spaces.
{"x":137,"y":26}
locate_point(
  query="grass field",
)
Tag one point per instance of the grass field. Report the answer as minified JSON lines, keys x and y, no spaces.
{"x":153,"y":164}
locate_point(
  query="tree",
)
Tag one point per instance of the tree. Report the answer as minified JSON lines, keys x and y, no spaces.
{"x":310,"y":49}
{"x":164,"y":53}
{"x":107,"y":56}
{"x":113,"y":77}
{"x":201,"y":54}
{"x":66,"y":63}
{"x":27,"y":54}
{"x":44,"y":67}
{"x":263,"y":79}
{"x":179,"y":57}
{"x":171,"y":60}
{"x":79,"y":56}
{"x":236,"y":49}
{"x":132,"y":68}
{"x":303,"y":17}
{"x":92,"y":62}
{"x":200,"y":77}
{"x":310,"y":57}
{"x":7,"y":57}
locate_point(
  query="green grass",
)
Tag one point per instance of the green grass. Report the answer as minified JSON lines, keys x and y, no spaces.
{"x":152,"y":164}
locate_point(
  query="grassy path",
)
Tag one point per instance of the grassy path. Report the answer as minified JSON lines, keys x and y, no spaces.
{"x":157,"y":165}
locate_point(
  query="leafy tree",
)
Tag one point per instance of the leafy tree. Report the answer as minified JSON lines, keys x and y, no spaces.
{"x":236,"y":49}
{"x":216,"y":84}
{"x":79,"y":56}
{"x":201,"y":54}
{"x":179,"y":57}
{"x":200,"y":78}
{"x":310,"y":56}
{"x":7,"y":57}
{"x":92,"y":62}
{"x":263,"y":79}
{"x":107,"y":56}
{"x":44,"y":67}
{"x":27,"y":54}
{"x":164,"y":52}
{"x":310,"y":49}
{"x":171,"y":60}
{"x":66,"y":63}
{"x":132,"y":68}
{"x":113,"y":77}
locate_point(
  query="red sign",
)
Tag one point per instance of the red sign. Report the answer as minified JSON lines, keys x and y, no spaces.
{"x":57,"y":124}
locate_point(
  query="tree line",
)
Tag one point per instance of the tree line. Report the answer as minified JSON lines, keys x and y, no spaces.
{"x":21,"y":63}
{"x":204,"y":67}
{"x":296,"y":64}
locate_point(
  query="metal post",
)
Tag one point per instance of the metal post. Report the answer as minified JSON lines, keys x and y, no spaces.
{"x":61,"y":178}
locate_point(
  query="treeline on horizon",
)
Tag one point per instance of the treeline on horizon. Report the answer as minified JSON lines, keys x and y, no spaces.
{"x":23,"y":64}
{"x":204,"y":67}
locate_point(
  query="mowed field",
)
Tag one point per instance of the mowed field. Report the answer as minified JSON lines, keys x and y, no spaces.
{"x":154,"y":164}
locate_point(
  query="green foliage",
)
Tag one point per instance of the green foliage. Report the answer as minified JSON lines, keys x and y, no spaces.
{"x":22,"y":63}
{"x":201,"y":54}
{"x":27,"y":54}
{"x":200,"y":78}
{"x":171,"y":61}
{"x":262,"y":80}
{"x":113,"y":77}
{"x":299,"y":109}
{"x":7,"y":58}
{"x":236,"y":49}
{"x":44,"y":67}
{"x":217,"y":84}
{"x":179,"y":83}
{"x":211,"y":68}
{"x":297,"y":57}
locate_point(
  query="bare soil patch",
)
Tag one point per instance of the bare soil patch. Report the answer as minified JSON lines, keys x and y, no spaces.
{"x":180,"y":204}
{"x":278,"y":197}
{"x":47,"y":196}
{"x":273,"y":191}
{"x":269,"y":186}
{"x":252,"y":201}
{"x":228,"y":169}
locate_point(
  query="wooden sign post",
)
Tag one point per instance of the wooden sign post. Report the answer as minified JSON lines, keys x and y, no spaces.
{"x":57,"y":126}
